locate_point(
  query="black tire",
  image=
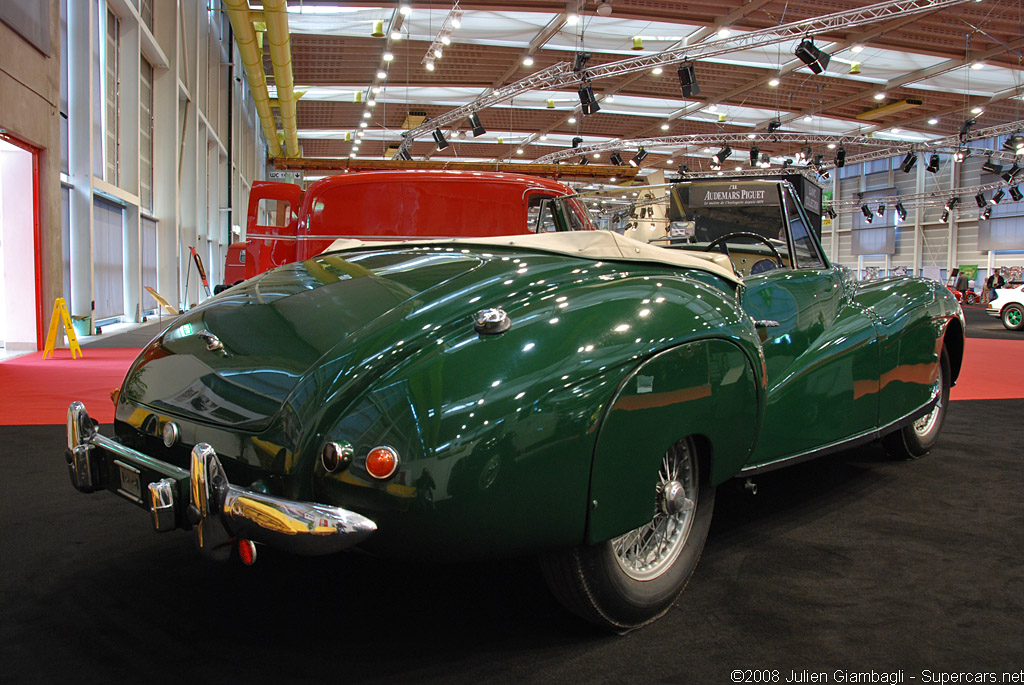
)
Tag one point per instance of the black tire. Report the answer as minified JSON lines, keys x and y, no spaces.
{"x":1012,"y":317}
{"x":970,"y":297}
{"x":593,"y":582}
{"x":915,"y":440}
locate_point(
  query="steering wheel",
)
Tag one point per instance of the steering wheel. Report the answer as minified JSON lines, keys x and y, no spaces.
{"x":722,"y":240}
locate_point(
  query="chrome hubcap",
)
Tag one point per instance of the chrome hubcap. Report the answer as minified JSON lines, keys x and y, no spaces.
{"x":924,"y":425}
{"x":646,"y":552}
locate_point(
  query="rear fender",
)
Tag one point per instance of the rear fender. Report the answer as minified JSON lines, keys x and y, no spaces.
{"x":707,"y":389}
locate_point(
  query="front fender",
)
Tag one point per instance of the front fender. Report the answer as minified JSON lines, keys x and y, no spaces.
{"x":707,"y":389}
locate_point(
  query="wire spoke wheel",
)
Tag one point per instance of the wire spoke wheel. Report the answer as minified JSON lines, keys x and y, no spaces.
{"x":645,"y":552}
{"x":632,"y":579}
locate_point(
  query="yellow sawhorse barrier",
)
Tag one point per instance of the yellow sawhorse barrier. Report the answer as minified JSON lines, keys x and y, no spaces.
{"x":60,"y":314}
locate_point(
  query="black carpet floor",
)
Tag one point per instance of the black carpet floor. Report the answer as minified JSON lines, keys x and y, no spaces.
{"x":851,"y":563}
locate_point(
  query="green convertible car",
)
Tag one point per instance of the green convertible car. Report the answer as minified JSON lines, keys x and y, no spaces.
{"x":573,"y":395}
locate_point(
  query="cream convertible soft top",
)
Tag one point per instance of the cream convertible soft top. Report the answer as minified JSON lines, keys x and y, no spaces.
{"x":588,"y":244}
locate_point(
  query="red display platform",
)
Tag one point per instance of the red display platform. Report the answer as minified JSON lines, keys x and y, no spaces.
{"x":34,"y":391}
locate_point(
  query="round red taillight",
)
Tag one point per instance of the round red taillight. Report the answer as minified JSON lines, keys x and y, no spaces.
{"x":246,"y":551}
{"x":382,"y":462}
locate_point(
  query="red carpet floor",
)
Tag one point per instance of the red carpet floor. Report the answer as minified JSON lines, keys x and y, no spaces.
{"x":37,"y":391}
{"x":34,"y":391}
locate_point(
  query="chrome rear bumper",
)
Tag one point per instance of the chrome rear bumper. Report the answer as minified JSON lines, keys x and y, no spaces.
{"x":202,"y":498}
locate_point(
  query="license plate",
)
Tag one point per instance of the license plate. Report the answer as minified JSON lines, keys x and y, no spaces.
{"x":131,"y":482}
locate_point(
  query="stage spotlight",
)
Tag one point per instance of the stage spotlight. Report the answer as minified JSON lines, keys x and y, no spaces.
{"x":440,"y":139}
{"x":881,"y":210}
{"x":815,"y":59}
{"x":588,"y":101}
{"x":991,"y":167}
{"x":981,"y":200}
{"x":840,"y":160}
{"x":965,"y":127}
{"x":901,"y":211}
{"x":638,"y":157}
{"x":755,"y":153}
{"x":1014,"y":143}
{"x":945,"y":215}
{"x":724,"y":153}
{"x":998,"y":196}
{"x":774,"y":125}
{"x":1012,"y":173}
{"x":576,"y":142}
{"x":867,"y":213}
{"x":1015,"y":194}
{"x":909,"y":162}
{"x":830,"y":213}
{"x":616,"y":159}
{"x":404,"y":155}
{"x":474,"y":123}
{"x":933,"y":163}
{"x":786,"y":163}
{"x":688,"y":80}
{"x":985,"y":214}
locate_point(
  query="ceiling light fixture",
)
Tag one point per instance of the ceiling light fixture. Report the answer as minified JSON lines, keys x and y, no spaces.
{"x":444,"y":36}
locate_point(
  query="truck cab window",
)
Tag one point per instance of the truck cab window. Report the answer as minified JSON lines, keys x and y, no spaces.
{"x":540,"y":214}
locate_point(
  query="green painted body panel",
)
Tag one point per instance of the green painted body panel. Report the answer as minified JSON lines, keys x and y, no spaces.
{"x":706,"y":389}
{"x":912,"y":315}
{"x":822,"y":360}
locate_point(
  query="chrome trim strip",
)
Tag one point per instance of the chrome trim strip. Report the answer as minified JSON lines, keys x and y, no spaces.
{"x":840,"y":446}
{"x":169,"y":470}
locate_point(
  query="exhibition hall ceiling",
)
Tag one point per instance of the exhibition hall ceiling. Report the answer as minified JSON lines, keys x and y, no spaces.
{"x":911,"y":78}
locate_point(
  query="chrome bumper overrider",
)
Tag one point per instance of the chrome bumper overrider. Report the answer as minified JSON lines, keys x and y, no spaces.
{"x":203,"y":498}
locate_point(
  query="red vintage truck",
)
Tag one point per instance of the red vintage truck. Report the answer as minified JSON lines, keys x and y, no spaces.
{"x":286,"y":224}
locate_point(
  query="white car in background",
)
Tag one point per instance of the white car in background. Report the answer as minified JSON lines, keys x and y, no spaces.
{"x":1008,"y":305}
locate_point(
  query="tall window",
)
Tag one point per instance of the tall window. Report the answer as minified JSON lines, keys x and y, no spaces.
{"x":146,"y":135}
{"x":146,"y":10}
{"x":111,"y":97}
